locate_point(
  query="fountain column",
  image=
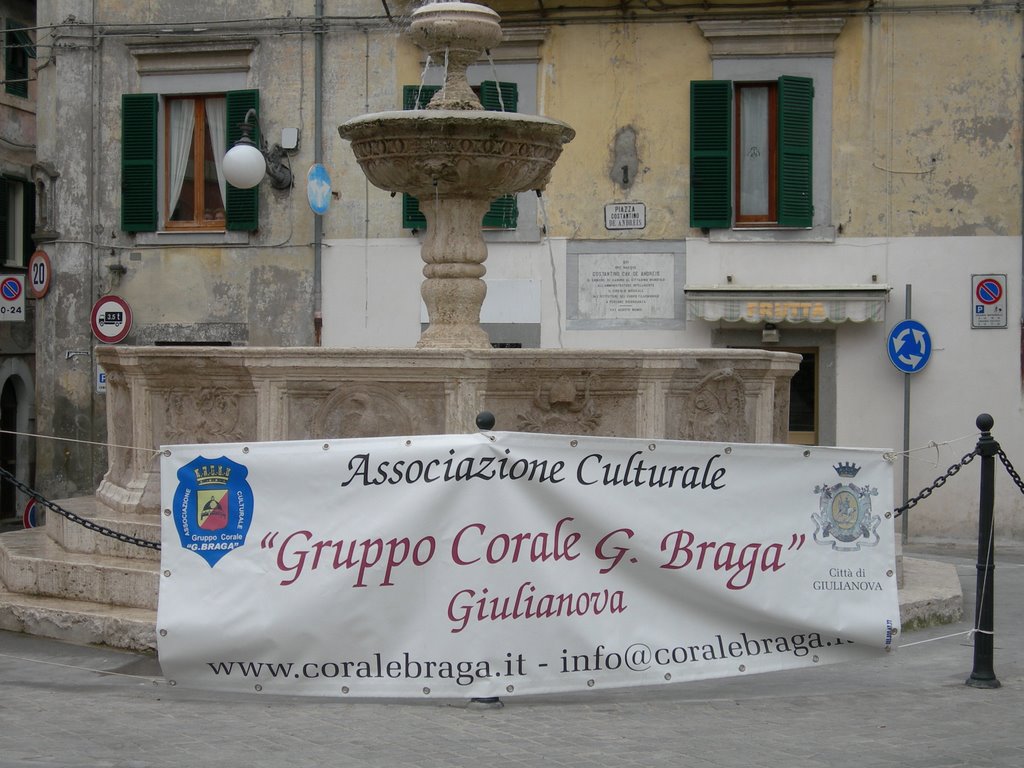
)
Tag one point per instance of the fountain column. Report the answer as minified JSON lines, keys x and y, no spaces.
{"x":453,"y":253}
{"x":454,"y":250}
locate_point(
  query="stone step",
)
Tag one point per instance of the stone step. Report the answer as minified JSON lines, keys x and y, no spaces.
{"x":74,"y":537}
{"x":76,"y":621}
{"x":33,"y":563}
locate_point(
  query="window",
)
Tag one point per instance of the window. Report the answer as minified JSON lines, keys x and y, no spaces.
{"x":504,"y":211}
{"x":750,"y":153}
{"x":195,"y":187}
{"x":194,"y":132}
{"x":17,"y":218}
{"x":18,"y":49}
{"x":756,"y":160}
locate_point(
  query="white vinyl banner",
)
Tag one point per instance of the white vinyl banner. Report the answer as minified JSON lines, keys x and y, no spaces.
{"x":494,"y":564}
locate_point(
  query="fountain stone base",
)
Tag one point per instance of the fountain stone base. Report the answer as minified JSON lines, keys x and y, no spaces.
{"x":161,"y":395}
{"x":69,"y":582}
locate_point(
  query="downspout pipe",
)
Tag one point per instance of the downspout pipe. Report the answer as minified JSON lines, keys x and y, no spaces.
{"x":318,"y":153}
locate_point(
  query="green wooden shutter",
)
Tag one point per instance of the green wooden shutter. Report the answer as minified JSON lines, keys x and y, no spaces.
{"x":418,"y":96}
{"x":138,"y":162}
{"x":242,"y":208}
{"x":796,"y":139}
{"x":18,"y":49}
{"x":711,"y":153}
{"x":509,"y":98}
{"x":412,"y":216}
{"x":504,"y":212}
{"x":28,"y":220}
{"x":415,"y":97}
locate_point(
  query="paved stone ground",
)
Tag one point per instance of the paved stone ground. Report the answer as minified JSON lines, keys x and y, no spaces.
{"x":63,"y":705}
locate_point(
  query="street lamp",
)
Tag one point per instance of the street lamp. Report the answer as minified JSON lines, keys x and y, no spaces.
{"x":245,"y":164}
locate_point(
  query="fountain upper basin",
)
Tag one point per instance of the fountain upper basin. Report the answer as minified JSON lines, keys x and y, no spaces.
{"x":456,"y":153}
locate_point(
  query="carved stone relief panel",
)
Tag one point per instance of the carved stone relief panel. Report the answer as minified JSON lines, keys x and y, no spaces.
{"x":715,"y":409}
{"x":206,"y":414}
{"x":560,"y":402}
{"x":367,"y":410}
{"x":562,"y":406}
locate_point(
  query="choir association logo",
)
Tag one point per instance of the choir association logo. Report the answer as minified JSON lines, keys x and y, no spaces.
{"x":844,"y":517}
{"x":213,"y":507}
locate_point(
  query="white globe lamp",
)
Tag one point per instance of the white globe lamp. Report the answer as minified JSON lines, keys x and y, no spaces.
{"x":244,"y":165}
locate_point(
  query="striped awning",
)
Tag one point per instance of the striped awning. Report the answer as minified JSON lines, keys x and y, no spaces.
{"x":787,"y":303}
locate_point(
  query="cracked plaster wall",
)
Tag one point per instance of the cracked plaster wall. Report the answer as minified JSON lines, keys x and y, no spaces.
{"x":927,"y":126}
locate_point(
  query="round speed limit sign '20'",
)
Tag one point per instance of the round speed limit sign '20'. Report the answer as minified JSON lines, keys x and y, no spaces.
{"x":39,"y":273}
{"x":111,"y":319}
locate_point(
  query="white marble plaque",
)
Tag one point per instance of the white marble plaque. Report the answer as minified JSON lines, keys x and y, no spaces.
{"x":626,"y":286}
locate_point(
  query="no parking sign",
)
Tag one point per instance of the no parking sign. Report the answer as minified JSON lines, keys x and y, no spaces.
{"x":31,"y":517}
{"x":12,"y":298}
{"x":988,"y":301}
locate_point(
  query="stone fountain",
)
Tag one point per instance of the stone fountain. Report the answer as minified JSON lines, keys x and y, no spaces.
{"x":455,"y":158}
{"x":67,"y":581}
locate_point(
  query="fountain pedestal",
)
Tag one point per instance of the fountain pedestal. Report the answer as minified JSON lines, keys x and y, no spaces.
{"x":454,"y":267}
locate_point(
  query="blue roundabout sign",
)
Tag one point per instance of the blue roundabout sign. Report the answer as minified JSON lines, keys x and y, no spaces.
{"x":909,"y":346}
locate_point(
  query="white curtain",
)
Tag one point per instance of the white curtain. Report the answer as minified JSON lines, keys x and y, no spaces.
{"x":216,"y":121}
{"x":183,"y":121}
{"x":754,"y":152}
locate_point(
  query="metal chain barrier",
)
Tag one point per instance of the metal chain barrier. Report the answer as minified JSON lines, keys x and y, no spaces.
{"x":1010,"y":470}
{"x":123,"y":537}
{"x":939,"y":482}
{"x":84,"y":522}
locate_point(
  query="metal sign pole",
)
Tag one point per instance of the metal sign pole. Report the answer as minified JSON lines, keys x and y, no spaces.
{"x":906,"y":432}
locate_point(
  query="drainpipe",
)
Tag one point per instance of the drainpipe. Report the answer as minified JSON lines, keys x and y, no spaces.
{"x":318,"y":152}
{"x":96,"y":82}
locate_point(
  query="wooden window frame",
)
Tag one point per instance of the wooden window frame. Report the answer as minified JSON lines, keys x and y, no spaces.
{"x":141,"y":172}
{"x":771,"y":217}
{"x":198,"y":165}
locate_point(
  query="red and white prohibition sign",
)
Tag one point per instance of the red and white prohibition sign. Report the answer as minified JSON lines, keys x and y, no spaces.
{"x":111,"y":319}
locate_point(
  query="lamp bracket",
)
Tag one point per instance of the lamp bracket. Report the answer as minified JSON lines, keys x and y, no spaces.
{"x":278,"y":170}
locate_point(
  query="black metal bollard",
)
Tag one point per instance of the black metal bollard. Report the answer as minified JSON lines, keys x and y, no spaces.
{"x":485,"y":423}
{"x":983,"y":674}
